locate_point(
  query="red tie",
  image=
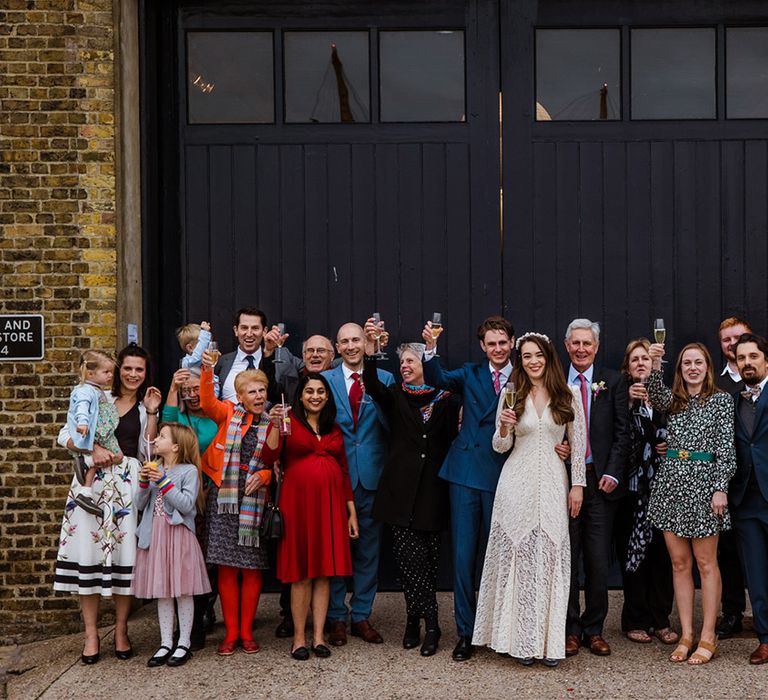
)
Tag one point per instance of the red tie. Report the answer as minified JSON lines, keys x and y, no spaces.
{"x":355,"y":396}
{"x":496,"y":381}
{"x":585,"y":404}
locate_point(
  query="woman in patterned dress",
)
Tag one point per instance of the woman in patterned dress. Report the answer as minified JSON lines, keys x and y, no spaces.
{"x":689,"y":499}
{"x":96,"y":554}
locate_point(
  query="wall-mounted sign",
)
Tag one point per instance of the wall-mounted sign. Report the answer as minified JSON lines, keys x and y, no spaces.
{"x":22,"y":337}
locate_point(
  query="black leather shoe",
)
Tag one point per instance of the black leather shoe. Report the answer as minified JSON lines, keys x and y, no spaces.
{"x":80,"y":469}
{"x":124,"y":654}
{"x":88,"y":504}
{"x":284,"y":629}
{"x":197,"y":641}
{"x":431,"y":638}
{"x":159,"y":659}
{"x":300,"y":654}
{"x":728,"y":626}
{"x":463,"y":649}
{"x":180,"y":660}
{"x":92,"y":658}
{"x":412,"y":635}
{"x":321,"y":651}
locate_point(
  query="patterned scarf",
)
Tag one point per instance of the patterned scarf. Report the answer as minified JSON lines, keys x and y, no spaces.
{"x":251,"y":507}
{"x":426,"y":410}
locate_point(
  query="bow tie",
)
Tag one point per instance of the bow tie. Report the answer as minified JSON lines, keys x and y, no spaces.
{"x":752,"y":393}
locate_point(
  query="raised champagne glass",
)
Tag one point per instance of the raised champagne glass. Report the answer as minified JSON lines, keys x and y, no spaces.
{"x":378,"y":323}
{"x":437,"y":328}
{"x":279,"y":351}
{"x":213,"y":349}
{"x":509,"y":395}
{"x":659,"y":332}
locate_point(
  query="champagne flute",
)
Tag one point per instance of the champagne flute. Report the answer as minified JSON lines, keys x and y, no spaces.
{"x":437,"y":328}
{"x":285,"y":419}
{"x":509,"y":395}
{"x":659,"y":333}
{"x":378,"y":322}
{"x":279,"y":351}
{"x":213,"y":349}
{"x":638,"y":407}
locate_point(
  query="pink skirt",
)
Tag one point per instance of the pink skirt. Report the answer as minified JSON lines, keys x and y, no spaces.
{"x":173,"y":566}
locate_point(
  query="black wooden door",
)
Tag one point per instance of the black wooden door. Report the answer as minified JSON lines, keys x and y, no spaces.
{"x":627,"y":220}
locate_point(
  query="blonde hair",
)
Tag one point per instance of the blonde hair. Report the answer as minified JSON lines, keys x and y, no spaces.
{"x":188,"y":334}
{"x":189,"y":453}
{"x":250,"y":375}
{"x":91,"y":360}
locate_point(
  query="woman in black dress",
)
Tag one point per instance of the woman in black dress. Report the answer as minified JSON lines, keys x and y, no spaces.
{"x":411,"y":498}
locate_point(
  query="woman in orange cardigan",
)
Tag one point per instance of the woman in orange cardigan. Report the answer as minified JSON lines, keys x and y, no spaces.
{"x":236,"y":498}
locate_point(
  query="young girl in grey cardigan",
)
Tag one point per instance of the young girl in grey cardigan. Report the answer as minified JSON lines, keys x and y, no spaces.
{"x":169,"y":562}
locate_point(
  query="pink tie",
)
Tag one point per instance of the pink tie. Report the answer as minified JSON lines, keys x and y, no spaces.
{"x":496,"y":381}
{"x":585,"y":404}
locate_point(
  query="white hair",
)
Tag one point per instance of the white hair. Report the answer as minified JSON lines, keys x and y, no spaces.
{"x":416,"y":348}
{"x":585,"y":323}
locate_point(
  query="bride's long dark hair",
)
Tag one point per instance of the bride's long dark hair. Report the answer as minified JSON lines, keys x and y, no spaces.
{"x":560,"y":396}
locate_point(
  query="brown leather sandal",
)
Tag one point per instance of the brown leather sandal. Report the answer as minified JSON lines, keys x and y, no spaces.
{"x":698,"y":659}
{"x":666,"y":635}
{"x":638,"y":636}
{"x":678,"y":658}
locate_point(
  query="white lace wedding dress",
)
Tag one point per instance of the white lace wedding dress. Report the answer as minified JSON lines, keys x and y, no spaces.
{"x":521,"y":609}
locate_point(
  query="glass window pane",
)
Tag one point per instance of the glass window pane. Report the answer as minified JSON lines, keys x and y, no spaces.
{"x":230,"y":78}
{"x":746,"y":78}
{"x":326,"y":77}
{"x":422,"y":76}
{"x":673,"y":74}
{"x":578,"y":74}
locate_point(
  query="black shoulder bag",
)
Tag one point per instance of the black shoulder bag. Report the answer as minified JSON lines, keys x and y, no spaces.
{"x":272,"y":523}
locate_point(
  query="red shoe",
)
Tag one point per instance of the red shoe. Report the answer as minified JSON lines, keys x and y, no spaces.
{"x":250,"y":646}
{"x":226,"y":648}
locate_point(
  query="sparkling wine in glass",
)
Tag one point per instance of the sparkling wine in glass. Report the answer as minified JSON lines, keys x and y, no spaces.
{"x":659,"y":332}
{"x":213,"y":349}
{"x":279,"y":351}
{"x":437,"y":328}
{"x":379,"y":323}
{"x":509,"y":395}
{"x":285,"y":419}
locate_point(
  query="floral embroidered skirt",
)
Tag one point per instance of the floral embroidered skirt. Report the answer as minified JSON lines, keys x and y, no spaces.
{"x":97,"y":553}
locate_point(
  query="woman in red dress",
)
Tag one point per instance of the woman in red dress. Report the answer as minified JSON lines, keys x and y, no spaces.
{"x":318,"y":507}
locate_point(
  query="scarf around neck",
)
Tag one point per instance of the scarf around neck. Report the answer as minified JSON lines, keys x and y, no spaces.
{"x":426,"y":409}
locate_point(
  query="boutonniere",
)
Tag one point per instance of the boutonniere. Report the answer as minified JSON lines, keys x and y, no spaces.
{"x":597,"y":387}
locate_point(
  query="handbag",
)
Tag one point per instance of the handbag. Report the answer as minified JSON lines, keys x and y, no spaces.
{"x":272,"y":523}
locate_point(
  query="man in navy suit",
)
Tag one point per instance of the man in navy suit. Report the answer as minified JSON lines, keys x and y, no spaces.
{"x":748,"y":490}
{"x":366,"y":442}
{"x":471,"y":466}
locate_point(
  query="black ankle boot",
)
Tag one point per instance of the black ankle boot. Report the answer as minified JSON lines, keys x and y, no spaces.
{"x":431,"y":637}
{"x":412,"y":635}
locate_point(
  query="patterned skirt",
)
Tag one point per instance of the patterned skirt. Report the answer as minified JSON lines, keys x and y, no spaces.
{"x":97,"y":553}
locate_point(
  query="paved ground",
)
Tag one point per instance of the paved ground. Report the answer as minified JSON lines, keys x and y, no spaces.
{"x":51,"y":669}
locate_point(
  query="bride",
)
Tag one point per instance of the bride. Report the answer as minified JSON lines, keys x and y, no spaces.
{"x":523,"y":597}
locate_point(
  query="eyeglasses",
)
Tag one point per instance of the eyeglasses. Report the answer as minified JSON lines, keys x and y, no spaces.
{"x":192,"y":391}
{"x":316,"y":351}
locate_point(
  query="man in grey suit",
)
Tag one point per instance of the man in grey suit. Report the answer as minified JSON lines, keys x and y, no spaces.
{"x":249,"y":328}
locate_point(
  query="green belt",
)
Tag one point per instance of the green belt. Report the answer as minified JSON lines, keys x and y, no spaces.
{"x":691,"y":454}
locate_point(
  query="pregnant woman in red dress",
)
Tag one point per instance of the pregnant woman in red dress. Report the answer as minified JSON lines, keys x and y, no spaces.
{"x":318,"y":507}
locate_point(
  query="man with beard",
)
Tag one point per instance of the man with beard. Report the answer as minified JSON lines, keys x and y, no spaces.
{"x":733,"y":597}
{"x":748,"y":490}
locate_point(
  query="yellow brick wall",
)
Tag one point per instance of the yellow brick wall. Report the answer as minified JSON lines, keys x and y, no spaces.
{"x":57,"y":257}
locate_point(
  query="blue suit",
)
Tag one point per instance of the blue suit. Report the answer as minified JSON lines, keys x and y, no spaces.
{"x":748,"y":501}
{"x":366,"y":450}
{"x":472,"y":468}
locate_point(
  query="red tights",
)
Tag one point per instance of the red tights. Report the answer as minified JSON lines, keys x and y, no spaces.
{"x":233,"y":600}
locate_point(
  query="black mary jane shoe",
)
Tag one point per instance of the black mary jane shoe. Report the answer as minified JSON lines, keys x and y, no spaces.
{"x":431,"y":638}
{"x":412,"y":635}
{"x":159,"y":659}
{"x":550,"y":663}
{"x":300,"y":654}
{"x":92,"y":658}
{"x":179,"y":660}
{"x":321,"y":651}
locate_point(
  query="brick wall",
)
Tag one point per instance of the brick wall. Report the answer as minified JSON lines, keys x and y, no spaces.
{"x":57,"y":257}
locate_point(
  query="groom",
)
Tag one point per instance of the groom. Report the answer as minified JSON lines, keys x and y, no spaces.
{"x":748,"y":490}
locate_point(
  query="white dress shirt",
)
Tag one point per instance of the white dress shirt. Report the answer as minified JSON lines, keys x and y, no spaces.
{"x":240,"y":364}
{"x":348,"y":375}
{"x":735,"y":376}
{"x":506,"y":373}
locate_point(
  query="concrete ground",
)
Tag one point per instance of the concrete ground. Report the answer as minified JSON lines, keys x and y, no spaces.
{"x":52,"y":669}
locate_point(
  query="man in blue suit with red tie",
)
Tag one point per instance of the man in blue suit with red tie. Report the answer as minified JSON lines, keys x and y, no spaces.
{"x":366,"y":443}
{"x":748,"y":490}
{"x":472,"y":467}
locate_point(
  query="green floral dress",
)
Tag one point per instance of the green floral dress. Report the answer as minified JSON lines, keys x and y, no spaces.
{"x":681,"y":497}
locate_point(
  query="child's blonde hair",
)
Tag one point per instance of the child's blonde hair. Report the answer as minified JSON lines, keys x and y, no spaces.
{"x":188,"y":334}
{"x":189,"y":453}
{"x":91,"y":360}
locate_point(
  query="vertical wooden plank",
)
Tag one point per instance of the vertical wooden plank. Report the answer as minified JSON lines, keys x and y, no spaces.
{"x":316,"y":196}
{"x":639,"y":240}
{"x":339,"y":236}
{"x":197,"y":239}
{"x":590,"y":203}
{"x":387,"y":274}
{"x":756,"y":222}
{"x":360,"y":285}
{"x":222,"y":260}
{"x":290,"y":262}
{"x":266,"y":270}
{"x":543,"y":265}
{"x":568,"y":245}
{"x":664,"y":256}
{"x":434,"y":289}
{"x":245,"y":231}
{"x":734,"y":293}
{"x":615,"y":299}
{"x":684,"y":272}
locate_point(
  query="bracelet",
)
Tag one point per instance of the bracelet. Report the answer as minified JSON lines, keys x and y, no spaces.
{"x":151,"y":413}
